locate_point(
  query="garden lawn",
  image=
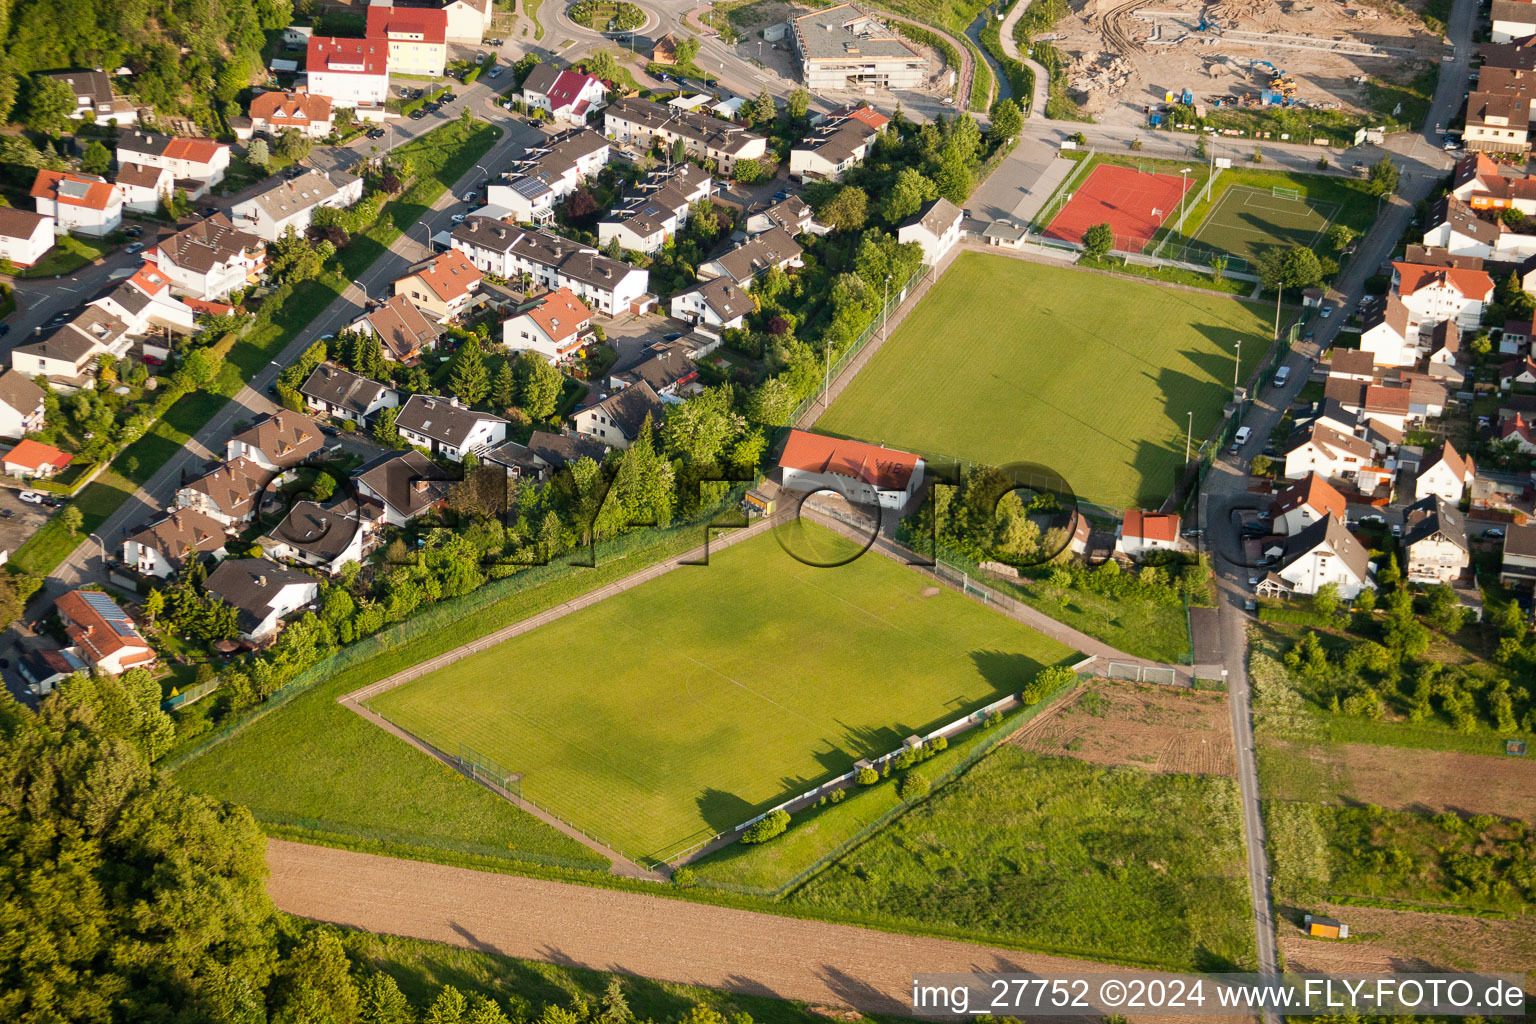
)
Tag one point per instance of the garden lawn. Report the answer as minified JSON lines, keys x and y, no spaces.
{"x":1114,"y":864}
{"x":1009,"y":361}
{"x":68,"y":255}
{"x":687,"y":705}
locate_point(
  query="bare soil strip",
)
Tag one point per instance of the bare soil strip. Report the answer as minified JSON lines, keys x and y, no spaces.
{"x":1383,"y":941}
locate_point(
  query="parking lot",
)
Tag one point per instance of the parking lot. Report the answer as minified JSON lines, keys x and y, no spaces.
{"x":18,"y":519}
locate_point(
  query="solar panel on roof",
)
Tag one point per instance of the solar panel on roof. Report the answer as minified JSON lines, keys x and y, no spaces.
{"x":107,"y":608}
{"x":529,"y":188}
{"x":74,"y":189}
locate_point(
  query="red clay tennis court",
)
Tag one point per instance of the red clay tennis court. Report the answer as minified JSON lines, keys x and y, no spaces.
{"x":1132,"y":203}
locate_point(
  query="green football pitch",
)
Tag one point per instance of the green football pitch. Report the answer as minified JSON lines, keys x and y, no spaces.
{"x":1091,"y":375}
{"x":1246,"y":221}
{"x":689,"y":704}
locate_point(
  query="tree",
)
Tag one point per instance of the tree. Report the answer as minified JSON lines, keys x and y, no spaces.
{"x":798,"y":104}
{"x":384,"y":430}
{"x":1218,"y":264}
{"x":913,"y":787}
{"x":469,"y":379}
{"x":602,"y":65}
{"x":523,"y":68}
{"x":679,"y":151}
{"x":1296,"y":267}
{"x":1007,"y":121}
{"x":1326,"y":599}
{"x":1260,"y":465}
{"x":748,"y":171}
{"x":315,"y":982}
{"x":687,"y":50}
{"x":292,"y":144}
{"x":380,"y":1001}
{"x":1200,"y":147}
{"x":97,"y":159}
{"x":1340,"y":235}
{"x":154,"y":605}
{"x":1382,"y":181}
{"x":504,"y":388}
{"x":908,"y":192}
{"x":773,"y":824}
{"x":539,"y":385}
{"x":49,"y":104}
{"x":1098,"y":241}
{"x":846,"y":210}
{"x":323,"y":487}
{"x":258,"y":153}
{"x":72,"y":519}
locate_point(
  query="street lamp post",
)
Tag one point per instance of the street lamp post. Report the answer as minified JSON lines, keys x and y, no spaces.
{"x":101,"y":545}
{"x":1237,"y":367}
{"x":1183,"y":198}
{"x":885,"y":311}
{"x":1189,"y":434}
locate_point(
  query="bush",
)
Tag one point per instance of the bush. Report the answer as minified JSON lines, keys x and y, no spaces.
{"x":1046,"y":682}
{"x":868,"y":777}
{"x":839,"y":795}
{"x":913,"y":787}
{"x":774,"y":824}
{"x":684,"y":877}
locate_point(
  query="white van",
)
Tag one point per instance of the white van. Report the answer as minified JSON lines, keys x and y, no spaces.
{"x":1243,"y":433}
{"x":1282,"y":376}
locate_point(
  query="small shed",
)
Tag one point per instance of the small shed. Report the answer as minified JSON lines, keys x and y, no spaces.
{"x":1326,"y":927}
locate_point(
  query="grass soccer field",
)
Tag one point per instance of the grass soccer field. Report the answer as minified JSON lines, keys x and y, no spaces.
{"x":1091,"y":375}
{"x":1246,"y":221}
{"x":688,"y":704}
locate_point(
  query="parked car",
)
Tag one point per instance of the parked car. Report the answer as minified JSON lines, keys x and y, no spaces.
{"x":493,"y":73}
{"x":1327,"y":311}
{"x":1243,"y":434}
{"x":377,"y":133}
{"x":134,"y":248}
{"x":418,"y":114}
{"x":210,"y":211}
{"x":32,"y":497}
{"x":1494,"y":534}
{"x":457,"y":218}
{"x":673,"y":336}
{"x":495,"y":42}
{"x":469,"y":196}
{"x":6,"y":513}
{"x":133,"y":232}
{"x":1250,"y":605}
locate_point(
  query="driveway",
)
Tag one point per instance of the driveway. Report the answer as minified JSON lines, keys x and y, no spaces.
{"x":24,"y":519}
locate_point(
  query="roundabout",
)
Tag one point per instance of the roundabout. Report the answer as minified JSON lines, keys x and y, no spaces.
{"x":610,"y":17}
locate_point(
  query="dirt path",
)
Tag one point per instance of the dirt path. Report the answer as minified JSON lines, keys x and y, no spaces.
{"x":666,"y":939}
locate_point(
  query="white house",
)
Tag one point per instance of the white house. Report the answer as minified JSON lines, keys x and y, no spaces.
{"x":1329,"y":453}
{"x":565,"y":95}
{"x":758,"y":254}
{"x":655,"y":209}
{"x":1324,"y":553}
{"x":21,"y":405}
{"x":1456,"y":228}
{"x":644,"y":124}
{"x":718,"y":303}
{"x":468,"y":20}
{"x":162,"y":546}
{"x":144,"y":303}
{"x":144,"y":187}
{"x":1512,"y":20}
{"x":33,"y":460}
{"x":1446,"y":475}
{"x":1518,"y":563}
{"x":101,"y":634}
{"x":548,"y":173}
{"x":935,"y":226}
{"x":554,"y":328}
{"x":618,"y":419}
{"x":333,"y":391}
{"x":230,"y":493}
{"x":24,"y":236}
{"x":276,"y":442}
{"x":406,"y":484}
{"x":1305,"y":502}
{"x":1518,"y":432}
{"x":198,"y":164}
{"x":403,"y":330}
{"x":607,"y":285}
{"x":1387,"y":335}
{"x":839,"y":143}
{"x":866,"y":474}
{"x":211,"y":258}
{"x":262,"y":593}
{"x":1144,"y":532}
{"x":417,"y":37}
{"x":291,"y":205}
{"x":327,"y":539}
{"x":84,"y":203}
{"x":1435,"y":537}
{"x":351,"y":72}
{"x":443,"y":426}
{"x":94,"y":97}
{"x":307,"y":113}
{"x":1442,"y":293}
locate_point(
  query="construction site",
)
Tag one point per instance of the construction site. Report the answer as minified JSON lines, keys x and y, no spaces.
{"x":1129,"y":59}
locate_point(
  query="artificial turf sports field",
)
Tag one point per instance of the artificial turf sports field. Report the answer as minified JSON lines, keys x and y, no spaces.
{"x":692,"y":702}
{"x":1246,"y":221}
{"x":1089,"y":374}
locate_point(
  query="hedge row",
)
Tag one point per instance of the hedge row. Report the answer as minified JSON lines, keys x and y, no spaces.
{"x":1299,"y":617}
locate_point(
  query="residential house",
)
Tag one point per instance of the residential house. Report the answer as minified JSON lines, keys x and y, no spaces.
{"x":565,"y":95}
{"x":147,"y":311}
{"x":773,"y":248}
{"x":1497,"y":123}
{"x":67,"y":356}
{"x":718,"y":303}
{"x":276,"y":442}
{"x":508,"y":251}
{"x":21,"y":405}
{"x":350,"y":72}
{"x":101,"y":634}
{"x":935,"y":226}
{"x":1516,"y":334}
{"x":406,"y":484}
{"x":230,"y":493}
{"x":144,"y":188}
{"x":1328,"y":452}
{"x":307,"y":113}
{"x":1144,"y":532}
{"x":198,"y":164}
{"x":1456,"y":228}
{"x":33,"y":460}
{"x":1512,"y":20}
{"x":445,"y":427}
{"x":865,"y":474}
{"x":442,"y":288}
{"x":1518,"y":563}
{"x":1325,"y":553}
{"x":545,"y":454}
{"x":261,"y":592}
{"x":416,"y":38}
{"x":323,"y":538}
{"x":1435,"y":537}
{"x":549,"y":172}
{"x":1390,"y":405}
{"x":656,"y":208}
{"x":644,"y":124}
{"x":404,"y":332}
{"x":555,"y":327}
{"x":1446,"y":474}
{"x":290,"y":205}
{"x":25,"y":237}
{"x":94,"y":99}
{"x":1445,"y":353}
{"x":846,"y":48}
{"x":1518,"y":433}
{"x":793,"y":214}
{"x":1521,"y":54}
{"x":1305,"y":502}
{"x":211,"y":258}
{"x":1352,"y":364}
{"x":468,"y":20}
{"x":344,"y":395}
{"x":1517,"y":371}
{"x":1386,"y":335}
{"x":669,"y":370}
{"x":838,"y":144}
{"x":1437,"y":293}
{"x":664,"y":50}
{"x":79,"y":202}
{"x":618,"y":419}
{"x":162,"y":546}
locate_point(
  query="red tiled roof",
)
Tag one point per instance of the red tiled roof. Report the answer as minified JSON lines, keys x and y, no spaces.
{"x":1151,"y":526}
{"x":886,"y":468}
{"x":1474,"y":284}
{"x":34,"y":455}
{"x":96,"y":193}
{"x":567,"y":87}
{"x":98,"y":636}
{"x":149,"y":280}
{"x":450,"y":275}
{"x":1384,"y":399}
{"x":431,"y":24}
{"x":198,"y":151}
{"x":871,"y":117}
{"x":560,"y":315}
{"x":1311,"y":490}
{"x":291,"y":107}
{"x":346,"y":56}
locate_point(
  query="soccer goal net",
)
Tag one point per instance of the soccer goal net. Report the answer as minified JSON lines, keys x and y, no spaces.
{"x":1280,"y":192}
